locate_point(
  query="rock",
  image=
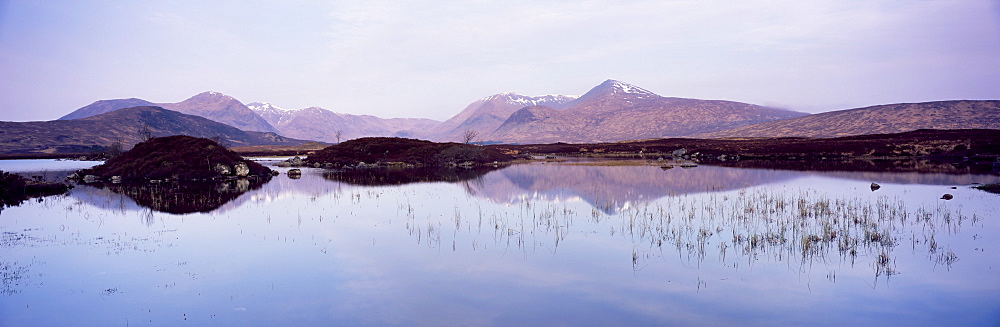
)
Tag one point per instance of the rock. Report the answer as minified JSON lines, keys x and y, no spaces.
{"x":295,"y":161}
{"x":947,"y":196}
{"x":242,"y":185}
{"x":875,"y":186}
{"x":242,"y":170}
{"x":222,"y":187}
{"x":90,"y":179}
{"x":116,"y":179}
{"x":294,"y":173}
{"x":222,"y":169}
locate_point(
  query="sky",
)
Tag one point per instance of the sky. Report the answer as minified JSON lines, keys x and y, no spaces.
{"x":430,"y":59}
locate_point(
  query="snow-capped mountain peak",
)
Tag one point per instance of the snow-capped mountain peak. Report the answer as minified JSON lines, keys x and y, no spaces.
{"x":525,"y":101}
{"x":265,"y":106}
{"x":618,"y":86}
{"x":212,"y":95}
{"x":273,"y":114}
{"x":617,"y":89}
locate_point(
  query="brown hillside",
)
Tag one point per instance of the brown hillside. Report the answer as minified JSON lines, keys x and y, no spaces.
{"x":884,"y":119}
{"x":126,"y":126}
{"x":224,"y":109}
{"x":616,"y":111}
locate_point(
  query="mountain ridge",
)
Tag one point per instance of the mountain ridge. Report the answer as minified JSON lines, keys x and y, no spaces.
{"x":221,"y":108}
{"x":210,"y":104}
{"x":320,"y":124}
{"x":617,"y":111}
{"x":880,"y":119}
{"x":105,"y":106}
{"x":487,"y":114}
{"x":611,"y":111}
{"x":125,"y":126}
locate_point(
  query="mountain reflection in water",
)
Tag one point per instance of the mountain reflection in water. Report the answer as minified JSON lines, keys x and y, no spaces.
{"x":611,"y":188}
{"x":523,"y":245}
{"x":607,"y":188}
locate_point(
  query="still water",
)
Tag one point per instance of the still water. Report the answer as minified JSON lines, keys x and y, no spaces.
{"x":538,"y":244}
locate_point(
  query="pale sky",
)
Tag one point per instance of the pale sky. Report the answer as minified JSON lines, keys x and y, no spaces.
{"x":430,"y":59}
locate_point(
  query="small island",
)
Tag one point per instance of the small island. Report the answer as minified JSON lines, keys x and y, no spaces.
{"x":176,"y":158}
{"x":178,"y":174}
{"x":394,"y":151}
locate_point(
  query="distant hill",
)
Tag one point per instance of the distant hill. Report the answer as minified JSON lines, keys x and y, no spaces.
{"x":319,"y":124}
{"x":487,"y":114}
{"x":222,"y":108}
{"x":212,"y":105}
{"x":610,"y":112}
{"x":616,"y":111}
{"x":105,"y":106}
{"x":883,"y":119}
{"x":126,"y":126}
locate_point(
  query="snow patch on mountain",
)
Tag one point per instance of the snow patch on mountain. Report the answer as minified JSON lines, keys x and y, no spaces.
{"x":629,"y":88}
{"x":526,"y":101}
{"x":265,"y":106}
{"x":273,"y":114}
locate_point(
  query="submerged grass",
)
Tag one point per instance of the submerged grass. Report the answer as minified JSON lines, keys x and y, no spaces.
{"x":801,"y":227}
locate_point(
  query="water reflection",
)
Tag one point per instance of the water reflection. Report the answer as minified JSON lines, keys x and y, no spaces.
{"x":525,"y":245}
{"x":611,"y":188}
{"x":402,"y":175}
{"x":911,"y":170}
{"x":178,"y":197}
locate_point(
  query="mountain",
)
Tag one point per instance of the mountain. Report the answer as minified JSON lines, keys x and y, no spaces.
{"x":616,"y":111}
{"x":487,"y":114}
{"x":222,"y":108}
{"x":105,"y":106}
{"x":319,"y":124}
{"x":126,"y":126}
{"x":883,"y":119}
{"x":272,"y":114}
{"x":212,"y":105}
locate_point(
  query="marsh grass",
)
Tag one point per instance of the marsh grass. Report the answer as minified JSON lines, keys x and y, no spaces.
{"x":802,"y":227}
